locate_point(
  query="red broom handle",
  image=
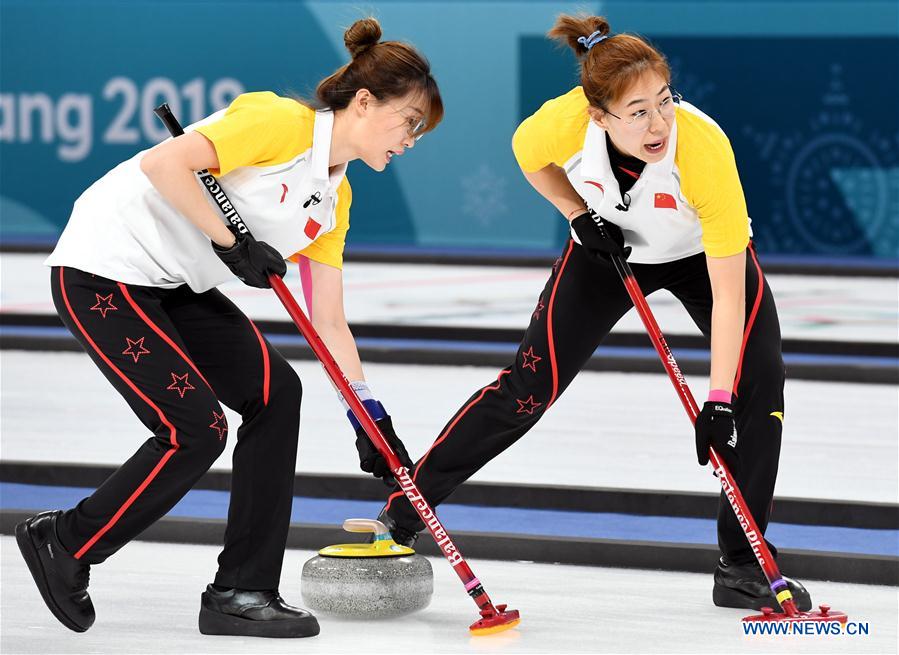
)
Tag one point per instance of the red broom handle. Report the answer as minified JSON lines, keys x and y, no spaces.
{"x":728,"y":484}
{"x":400,"y":473}
{"x":472,"y":585}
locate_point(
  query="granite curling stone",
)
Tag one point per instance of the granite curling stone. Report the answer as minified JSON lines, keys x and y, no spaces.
{"x":373,"y":580}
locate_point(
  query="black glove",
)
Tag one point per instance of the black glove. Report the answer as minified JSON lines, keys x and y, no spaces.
{"x":600,"y":238}
{"x":715,"y":427}
{"x":371,"y":461}
{"x":252,"y":261}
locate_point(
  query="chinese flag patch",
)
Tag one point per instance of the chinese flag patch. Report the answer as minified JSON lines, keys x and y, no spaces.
{"x":312,"y":228}
{"x":665,"y":201}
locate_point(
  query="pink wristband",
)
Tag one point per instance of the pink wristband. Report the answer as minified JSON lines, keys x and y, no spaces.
{"x":720,"y":396}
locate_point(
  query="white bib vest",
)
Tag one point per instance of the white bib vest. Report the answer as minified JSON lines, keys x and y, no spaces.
{"x":122,"y":228}
{"x":654,"y":217}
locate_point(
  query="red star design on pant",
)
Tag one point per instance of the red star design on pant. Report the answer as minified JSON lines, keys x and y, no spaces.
{"x":219,"y":424}
{"x":538,"y":310}
{"x":180,"y":384}
{"x":527,"y":406}
{"x":530,"y":359}
{"x":135,"y":348}
{"x":104,"y":304}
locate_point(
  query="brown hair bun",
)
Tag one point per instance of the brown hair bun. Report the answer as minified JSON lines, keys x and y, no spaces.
{"x":362,"y":35}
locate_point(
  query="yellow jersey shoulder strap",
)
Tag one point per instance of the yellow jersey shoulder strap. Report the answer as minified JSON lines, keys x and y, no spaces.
{"x":554,"y":133}
{"x":710,"y":182}
{"x":260,"y":129}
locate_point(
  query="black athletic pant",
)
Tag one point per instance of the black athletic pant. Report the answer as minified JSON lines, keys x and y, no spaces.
{"x":174,"y":355}
{"x":581,"y":302}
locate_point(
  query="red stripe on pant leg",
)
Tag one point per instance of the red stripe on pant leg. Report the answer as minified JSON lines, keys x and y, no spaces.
{"x":159,"y":331}
{"x":173,"y":433}
{"x":134,"y":496}
{"x":449,"y":428}
{"x":752,"y":315}
{"x":266,"y":371}
{"x":549,"y":328}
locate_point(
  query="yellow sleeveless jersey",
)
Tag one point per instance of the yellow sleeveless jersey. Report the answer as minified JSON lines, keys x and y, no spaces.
{"x":692,"y":201}
{"x":265,"y":131}
{"x":273,"y":154}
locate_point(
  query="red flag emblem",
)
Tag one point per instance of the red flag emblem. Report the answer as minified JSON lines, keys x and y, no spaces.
{"x":665,"y":201}
{"x":312,"y":228}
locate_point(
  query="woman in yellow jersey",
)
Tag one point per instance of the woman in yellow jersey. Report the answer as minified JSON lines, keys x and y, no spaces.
{"x":621,"y":152}
{"x":134,"y":276}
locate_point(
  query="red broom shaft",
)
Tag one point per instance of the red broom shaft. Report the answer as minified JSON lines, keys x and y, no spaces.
{"x":658,"y":340}
{"x":744,"y":518}
{"x":728,"y":484}
{"x":441,"y":537}
{"x":371,"y":429}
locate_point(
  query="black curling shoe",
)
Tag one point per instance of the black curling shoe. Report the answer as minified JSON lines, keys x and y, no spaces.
{"x":61,"y":579}
{"x":745,"y":585}
{"x":252,"y":614}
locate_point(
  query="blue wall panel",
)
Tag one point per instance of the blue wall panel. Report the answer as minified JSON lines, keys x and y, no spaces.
{"x":807,"y":91}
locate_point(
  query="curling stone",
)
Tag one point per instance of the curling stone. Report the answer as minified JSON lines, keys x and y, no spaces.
{"x":373,"y":580}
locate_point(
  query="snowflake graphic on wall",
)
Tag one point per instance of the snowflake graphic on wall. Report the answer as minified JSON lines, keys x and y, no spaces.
{"x":484,"y":195}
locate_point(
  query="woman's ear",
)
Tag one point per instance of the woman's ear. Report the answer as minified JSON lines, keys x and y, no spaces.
{"x":362,"y":101}
{"x":598,"y":116}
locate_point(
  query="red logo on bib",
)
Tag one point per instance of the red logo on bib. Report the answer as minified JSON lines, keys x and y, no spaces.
{"x":312,"y":228}
{"x":596,"y":184}
{"x":665,"y":201}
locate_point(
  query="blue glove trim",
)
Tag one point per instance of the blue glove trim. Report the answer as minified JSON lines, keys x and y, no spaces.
{"x":374,"y":408}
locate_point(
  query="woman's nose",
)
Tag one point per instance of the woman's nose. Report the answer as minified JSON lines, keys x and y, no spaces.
{"x":653,"y":124}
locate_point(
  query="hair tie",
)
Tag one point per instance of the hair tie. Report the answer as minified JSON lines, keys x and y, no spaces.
{"x":590,"y":41}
